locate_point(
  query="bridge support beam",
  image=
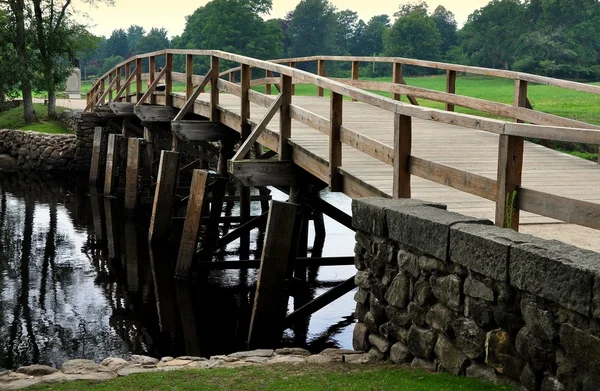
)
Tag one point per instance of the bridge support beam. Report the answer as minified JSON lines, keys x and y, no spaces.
{"x":270,"y":301}
{"x":98,"y":154}
{"x":162,"y":208}
{"x":113,"y":162}
{"x":134,"y":150}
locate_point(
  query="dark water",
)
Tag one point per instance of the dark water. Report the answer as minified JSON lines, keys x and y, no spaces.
{"x":77,"y":280}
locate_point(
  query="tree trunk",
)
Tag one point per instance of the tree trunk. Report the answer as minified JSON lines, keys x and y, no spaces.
{"x":28,"y":112}
{"x":52,"y":104}
{"x":18,"y":8}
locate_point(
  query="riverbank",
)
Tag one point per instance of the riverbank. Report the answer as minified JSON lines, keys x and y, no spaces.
{"x":282,"y":369}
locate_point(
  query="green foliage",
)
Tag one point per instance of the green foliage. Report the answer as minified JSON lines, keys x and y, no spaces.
{"x":287,"y":378}
{"x":312,"y":29}
{"x":110,"y":63}
{"x":13,"y":119}
{"x":510,"y":209}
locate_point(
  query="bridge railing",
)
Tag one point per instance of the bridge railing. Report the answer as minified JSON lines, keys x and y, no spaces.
{"x":506,"y":190}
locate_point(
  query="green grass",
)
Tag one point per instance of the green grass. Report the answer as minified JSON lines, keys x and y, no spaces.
{"x":284,"y":378}
{"x":13,"y":119}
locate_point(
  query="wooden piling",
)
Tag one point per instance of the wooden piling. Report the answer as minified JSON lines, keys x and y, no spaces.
{"x":148,"y":158}
{"x":113,"y":150}
{"x":191,"y":226}
{"x":98,"y":154}
{"x":112,"y":229}
{"x":219,"y":189}
{"x":134,"y":146}
{"x":270,"y":301}
{"x":160,"y":221}
{"x":132,"y":264}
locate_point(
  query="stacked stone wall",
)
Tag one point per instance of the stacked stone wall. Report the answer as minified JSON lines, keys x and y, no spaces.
{"x":444,"y":291}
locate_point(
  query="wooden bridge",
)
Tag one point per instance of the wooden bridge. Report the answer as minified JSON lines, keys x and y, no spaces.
{"x":354,"y":141}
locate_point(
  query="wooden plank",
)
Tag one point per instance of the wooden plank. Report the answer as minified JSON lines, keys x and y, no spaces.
{"x":168,"y":79}
{"x":123,"y":109}
{"x":355,"y":72}
{"x":569,"y":210}
{"x":257,"y":222}
{"x":335,"y":143}
{"x":151,"y":87}
{"x":254,"y":173}
{"x":214,"y":88}
{"x":253,"y":136}
{"x":200,"y":131}
{"x":113,"y":234}
{"x":450,"y":87}
{"x":160,"y":222}
{"x":332,"y":211}
{"x":323,"y":300}
{"x":285,"y":120}
{"x":191,"y":226}
{"x":112,"y":164}
{"x":321,"y":72}
{"x":270,"y":301}
{"x":255,"y":264}
{"x":189,"y":103}
{"x":245,"y":101}
{"x":138,"y":79}
{"x":151,"y":76}
{"x":97,"y":208}
{"x":367,"y":145}
{"x":127,"y":87}
{"x":292,"y":65}
{"x":268,"y":74}
{"x":396,"y":77}
{"x":402,"y":150}
{"x":148,"y":157}
{"x":98,"y":154}
{"x":558,"y":133}
{"x":155,"y":113}
{"x":132,"y":261}
{"x":118,"y":83}
{"x":134,"y":152}
{"x":189,"y":75}
{"x":458,"y":179}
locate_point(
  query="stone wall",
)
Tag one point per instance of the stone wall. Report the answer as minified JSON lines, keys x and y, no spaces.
{"x":49,"y":152}
{"x":449,"y":292}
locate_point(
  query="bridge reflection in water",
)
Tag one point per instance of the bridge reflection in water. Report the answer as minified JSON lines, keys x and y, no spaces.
{"x":79,"y":281}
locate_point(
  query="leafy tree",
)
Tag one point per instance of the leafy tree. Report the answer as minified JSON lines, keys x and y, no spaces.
{"x":312,"y":29}
{"x":134,"y":33}
{"x":414,"y":35}
{"x":446,"y":25}
{"x":406,"y":9}
{"x":346,"y":24}
{"x":371,"y":39}
{"x":117,"y":44}
{"x":9,"y":79}
{"x":111,"y":62}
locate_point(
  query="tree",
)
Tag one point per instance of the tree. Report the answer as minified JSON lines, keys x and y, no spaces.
{"x":312,"y":29}
{"x":371,"y":39}
{"x":446,"y":25}
{"x":346,"y":24}
{"x":414,"y":35}
{"x":491,"y":34}
{"x":134,"y":33}
{"x":406,"y":9}
{"x":9,"y":80}
{"x":155,"y":40}
{"x":117,"y":44}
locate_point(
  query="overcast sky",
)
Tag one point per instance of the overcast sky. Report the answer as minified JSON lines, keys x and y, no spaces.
{"x":171,"y":14}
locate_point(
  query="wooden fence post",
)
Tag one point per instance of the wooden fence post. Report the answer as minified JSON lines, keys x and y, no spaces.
{"x":214,"y":89}
{"x":246,"y":129}
{"x":148,"y":158}
{"x":450,"y":87}
{"x":138,"y":79}
{"x":293,"y":65}
{"x":189,"y":75}
{"x":335,"y":143}
{"x":128,"y":88}
{"x":268,"y":85}
{"x":355,"y":72}
{"x":98,"y":154}
{"x":270,"y":301}
{"x":510,"y":169}
{"x":402,"y":149}
{"x":321,"y":71}
{"x":134,"y":146}
{"x":285,"y":121}
{"x":118,"y":83}
{"x":110,"y":91}
{"x":168,"y":79}
{"x":151,"y":71}
{"x":397,"y":77}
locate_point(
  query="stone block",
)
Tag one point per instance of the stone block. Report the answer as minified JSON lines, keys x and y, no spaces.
{"x":360,"y":338}
{"x":480,"y":311}
{"x":478,"y":289}
{"x":398,"y":316}
{"x":580,"y":366}
{"x":400,"y":353}
{"x":37,"y":370}
{"x":421,"y":342}
{"x":530,"y":379}
{"x":398,"y":291}
{"x":470,"y":338}
{"x":550,"y":383}
{"x":417,"y":314}
{"x":422,"y":292}
{"x":382,"y":344}
{"x":361,"y":296}
{"x":425,"y":228}
{"x":426,"y":365}
{"x":536,"y":351}
{"x":79,"y":366}
{"x":369,"y":214}
{"x":484,"y":248}
{"x":448,"y":290}
{"x":363,"y":279}
{"x":501,"y":354}
{"x":449,"y":357}
{"x":539,"y":320}
{"x":440,"y":319}
{"x":557,"y":272}
{"x":409,"y":262}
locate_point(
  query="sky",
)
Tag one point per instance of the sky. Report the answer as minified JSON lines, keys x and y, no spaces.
{"x":171,"y":14}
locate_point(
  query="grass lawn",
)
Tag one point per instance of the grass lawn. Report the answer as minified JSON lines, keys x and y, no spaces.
{"x":13,"y":119}
{"x":286,"y":378}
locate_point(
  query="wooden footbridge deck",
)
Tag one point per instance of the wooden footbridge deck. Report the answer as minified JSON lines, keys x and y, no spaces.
{"x":353,"y":141}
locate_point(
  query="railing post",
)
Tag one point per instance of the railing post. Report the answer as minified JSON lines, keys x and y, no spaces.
{"x":510,"y":169}
{"x":335,"y":143}
{"x":232,"y":77}
{"x":118,"y":83}
{"x":189,"y":75}
{"x":268,"y":85}
{"x":397,"y":77}
{"x":151,"y":71}
{"x":285,"y":121}
{"x":128,"y":88}
{"x":110,"y":91}
{"x":321,"y":72}
{"x":450,"y":87}
{"x":402,"y":150}
{"x":214,"y":89}
{"x":245,"y":108}
{"x":138,"y":79}
{"x":293,"y":65}
{"x":102,"y":89}
{"x":169,"y":79}
{"x":355,"y":72}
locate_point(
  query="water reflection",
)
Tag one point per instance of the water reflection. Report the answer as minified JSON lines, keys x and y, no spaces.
{"x":77,"y":280}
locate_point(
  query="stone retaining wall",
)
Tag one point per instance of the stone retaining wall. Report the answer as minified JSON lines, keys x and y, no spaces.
{"x":49,"y":152}
{"x":449,"y":292}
